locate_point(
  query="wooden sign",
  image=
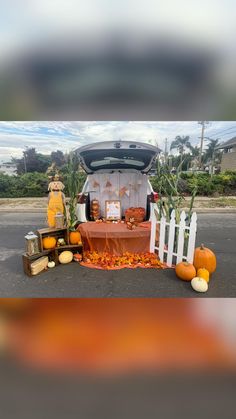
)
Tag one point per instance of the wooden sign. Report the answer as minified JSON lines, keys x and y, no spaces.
{"x":113,"y":210}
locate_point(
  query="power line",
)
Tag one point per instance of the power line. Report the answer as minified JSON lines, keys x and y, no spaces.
{"x":222,"y":131}
{"x":231,"y":133}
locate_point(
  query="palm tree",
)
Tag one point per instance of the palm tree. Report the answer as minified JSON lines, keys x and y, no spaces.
{"x":211,"y":153}
{"x":194,"y":150}
{"x":211,"y":148}
{"x":181,"y":143}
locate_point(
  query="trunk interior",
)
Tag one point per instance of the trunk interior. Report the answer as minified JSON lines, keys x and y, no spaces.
{"x":131,"y":188}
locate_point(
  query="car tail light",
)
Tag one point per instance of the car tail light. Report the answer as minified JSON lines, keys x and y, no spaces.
{"x":81,"y":198}
{"x":155,"y":196}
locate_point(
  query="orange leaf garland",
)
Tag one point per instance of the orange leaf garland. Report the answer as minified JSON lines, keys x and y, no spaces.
{"x":108,"y":261}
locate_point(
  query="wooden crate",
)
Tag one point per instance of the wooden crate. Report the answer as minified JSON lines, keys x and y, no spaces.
{"x":74,"y":248}
{"x":54,"y":232}
{"x":28,"y":260}
{"x":53,"y":255}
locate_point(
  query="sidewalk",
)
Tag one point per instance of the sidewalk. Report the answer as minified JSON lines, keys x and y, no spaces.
{"x":202,"y":204}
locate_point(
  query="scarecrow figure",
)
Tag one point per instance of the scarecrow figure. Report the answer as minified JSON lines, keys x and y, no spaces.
{"x":56,"y":200}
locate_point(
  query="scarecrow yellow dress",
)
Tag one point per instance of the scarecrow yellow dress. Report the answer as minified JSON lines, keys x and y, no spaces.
{"x":55,"y":206}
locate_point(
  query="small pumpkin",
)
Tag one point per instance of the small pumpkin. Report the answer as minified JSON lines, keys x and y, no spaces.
{"x":65,"y":257}
{"x":51,"y":264}
{"x":199,"y":284}
{"x":204,"y":258}
{"x":75,"y":237}
{"x":49,"y":242}
{"x":203,"y":273}
{"x":78,"y":257}
{"x":185,"y":271}
{"x":61,"y":242}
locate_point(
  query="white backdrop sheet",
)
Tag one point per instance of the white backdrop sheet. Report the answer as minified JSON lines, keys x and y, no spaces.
{"x":135,"y":185}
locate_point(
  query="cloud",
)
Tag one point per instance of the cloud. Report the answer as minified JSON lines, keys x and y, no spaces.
{"x":68,"y":135}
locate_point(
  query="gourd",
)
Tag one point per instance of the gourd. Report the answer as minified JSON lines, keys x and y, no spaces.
{"x":49,"y":242}
{"x":199,"y":284}
{"x":51,"y":264}
{"x":78,"y":257}
{"x":185,"y":271}
{"x":61,"y":242}
{"x":65,"y":257}
{"x":203,"y":273}
{"x":204,"y":258}
{"x":75,"y":237}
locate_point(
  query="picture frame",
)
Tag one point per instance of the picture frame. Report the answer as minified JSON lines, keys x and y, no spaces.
{"x":113,"y":210}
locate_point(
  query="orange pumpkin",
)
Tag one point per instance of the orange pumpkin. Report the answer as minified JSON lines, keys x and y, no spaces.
{"x":185,"y":271}
{"x":75,"y":237}
{"x":78,"y":257}
{"x":204,"y":258}
{"x":203,"y":273}
{"x":49,"y":242}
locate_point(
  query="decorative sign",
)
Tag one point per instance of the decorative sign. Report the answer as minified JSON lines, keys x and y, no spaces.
{"x":113,"y":210}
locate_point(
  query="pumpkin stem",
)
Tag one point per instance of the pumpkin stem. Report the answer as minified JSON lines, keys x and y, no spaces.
{"x":202,"y":246}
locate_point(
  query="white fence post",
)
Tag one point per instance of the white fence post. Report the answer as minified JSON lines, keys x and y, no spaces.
{"x":180,"y":244}
{"x":153,"y":230}
{"x":192,"y":238}
{"x":171,"y":239}
{"x":162,"y":238}
{"x":184,"y":233}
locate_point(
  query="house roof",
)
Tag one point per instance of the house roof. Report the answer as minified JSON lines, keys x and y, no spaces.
{"x":227,"y":144}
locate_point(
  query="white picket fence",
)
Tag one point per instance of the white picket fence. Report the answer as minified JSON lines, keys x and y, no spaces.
{"x":170,"y":232}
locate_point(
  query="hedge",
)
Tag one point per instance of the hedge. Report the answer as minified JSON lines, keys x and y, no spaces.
{"x":28,"y":185}
{"x":222,"y":184}
{"x":36,"y":184}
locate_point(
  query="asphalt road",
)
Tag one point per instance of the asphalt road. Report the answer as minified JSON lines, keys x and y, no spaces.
{"x":217,"y":231}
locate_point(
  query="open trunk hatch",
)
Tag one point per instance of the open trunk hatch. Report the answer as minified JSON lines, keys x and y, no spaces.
{"x":117,"y":155}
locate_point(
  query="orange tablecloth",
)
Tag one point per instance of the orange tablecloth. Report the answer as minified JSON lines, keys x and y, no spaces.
{"x":115,"y":238}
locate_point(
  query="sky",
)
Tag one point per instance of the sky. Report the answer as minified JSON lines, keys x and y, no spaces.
{"x":68,"y":135}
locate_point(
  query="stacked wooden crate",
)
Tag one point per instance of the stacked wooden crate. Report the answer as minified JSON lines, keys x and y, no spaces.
{"x":34,"y":265}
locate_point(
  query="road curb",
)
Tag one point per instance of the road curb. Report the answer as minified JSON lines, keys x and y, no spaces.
{"x":23,"y":210}
{"x":44,"y":210}
{"x":213,"y":210}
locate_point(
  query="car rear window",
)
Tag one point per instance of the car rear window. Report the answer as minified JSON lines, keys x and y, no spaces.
{"x":115,"y":161}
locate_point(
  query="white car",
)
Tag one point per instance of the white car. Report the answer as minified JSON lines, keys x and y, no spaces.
{"x":117,"y":170}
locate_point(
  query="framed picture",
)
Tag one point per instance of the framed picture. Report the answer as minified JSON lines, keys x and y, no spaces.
{"x":113,"y":210}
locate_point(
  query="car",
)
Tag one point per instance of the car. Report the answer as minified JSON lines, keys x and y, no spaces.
{"x":117,"y":170}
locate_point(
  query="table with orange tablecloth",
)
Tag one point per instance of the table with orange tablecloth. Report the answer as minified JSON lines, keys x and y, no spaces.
{"x":115,"y":238}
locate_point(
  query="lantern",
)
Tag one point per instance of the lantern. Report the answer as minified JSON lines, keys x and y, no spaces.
{"x":59,"y":220}
{"x":32,"y":244}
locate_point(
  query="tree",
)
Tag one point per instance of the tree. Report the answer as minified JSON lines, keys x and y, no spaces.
{"x":194,"y":160}
{"x":181,"y":144}
{"x":58,"y":158}
{"x":194,"y":150}
{"x":32,"y":162}
{"x":211,"y":154}
{"x":211,"y":149}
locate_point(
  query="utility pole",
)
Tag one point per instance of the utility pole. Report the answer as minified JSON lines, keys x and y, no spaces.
{"x":203,"y":124}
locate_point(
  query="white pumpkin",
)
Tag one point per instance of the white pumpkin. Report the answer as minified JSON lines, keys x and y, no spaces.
{"x":66,"y":257}
{"x":199,"y":284}
{"x":51,"y":264}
